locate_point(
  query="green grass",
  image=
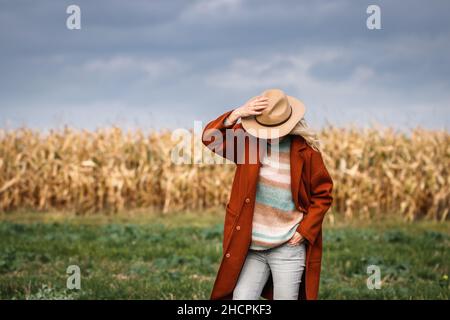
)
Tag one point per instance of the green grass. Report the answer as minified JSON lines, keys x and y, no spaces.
{"x":176,"y":256}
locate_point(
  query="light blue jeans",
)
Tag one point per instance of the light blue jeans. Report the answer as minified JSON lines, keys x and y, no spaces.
{"x":286,"y":262}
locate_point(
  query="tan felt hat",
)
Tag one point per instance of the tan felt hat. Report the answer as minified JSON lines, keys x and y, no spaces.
{"x":278,"y":119}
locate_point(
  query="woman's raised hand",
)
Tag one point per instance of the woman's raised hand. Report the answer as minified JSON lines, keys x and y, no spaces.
{"x":254,"y":106}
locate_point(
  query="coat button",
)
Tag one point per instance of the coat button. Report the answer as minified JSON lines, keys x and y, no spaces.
{"x":227,"y":255}
{"x":238,"y":227}
{"x":247,"y":200}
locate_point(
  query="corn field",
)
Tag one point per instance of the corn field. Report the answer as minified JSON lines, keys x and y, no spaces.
{"x":375,"y":171}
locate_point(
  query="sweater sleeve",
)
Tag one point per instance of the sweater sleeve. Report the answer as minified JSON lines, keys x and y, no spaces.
{"x":321,"y":199}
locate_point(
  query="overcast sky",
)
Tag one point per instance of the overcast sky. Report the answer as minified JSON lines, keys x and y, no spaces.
{"x":165,"y":64}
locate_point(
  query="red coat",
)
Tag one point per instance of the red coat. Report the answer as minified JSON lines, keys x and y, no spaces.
{"x":311,"y":194}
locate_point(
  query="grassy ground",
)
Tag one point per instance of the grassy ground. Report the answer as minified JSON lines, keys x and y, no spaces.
{"x":176,"y":256}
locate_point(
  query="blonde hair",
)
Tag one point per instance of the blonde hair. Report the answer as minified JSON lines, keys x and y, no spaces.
{"x":310,"y":136}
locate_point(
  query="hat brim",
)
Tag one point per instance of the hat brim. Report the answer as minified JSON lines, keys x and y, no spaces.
{"x":264,"y":132}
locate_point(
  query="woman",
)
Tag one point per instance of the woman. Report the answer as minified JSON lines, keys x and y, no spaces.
{"x":272,"y":245}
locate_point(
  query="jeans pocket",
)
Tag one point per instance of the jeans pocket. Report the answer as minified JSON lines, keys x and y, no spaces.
{"x":299,"y":247}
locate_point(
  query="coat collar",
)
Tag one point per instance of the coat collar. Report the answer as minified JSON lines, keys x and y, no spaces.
{"x":298,"y":143}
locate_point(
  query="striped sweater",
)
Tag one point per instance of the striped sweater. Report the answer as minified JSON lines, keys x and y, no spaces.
{"x":275,"y":217}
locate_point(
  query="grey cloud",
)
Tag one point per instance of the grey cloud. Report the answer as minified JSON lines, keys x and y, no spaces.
{"x":177,"y":61}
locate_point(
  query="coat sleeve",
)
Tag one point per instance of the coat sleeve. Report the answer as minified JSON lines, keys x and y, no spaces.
{"x":215,"y":138}
{"x":321,"y":199}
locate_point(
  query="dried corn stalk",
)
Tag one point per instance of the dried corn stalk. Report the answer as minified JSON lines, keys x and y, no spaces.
{"x":375,"y":172}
